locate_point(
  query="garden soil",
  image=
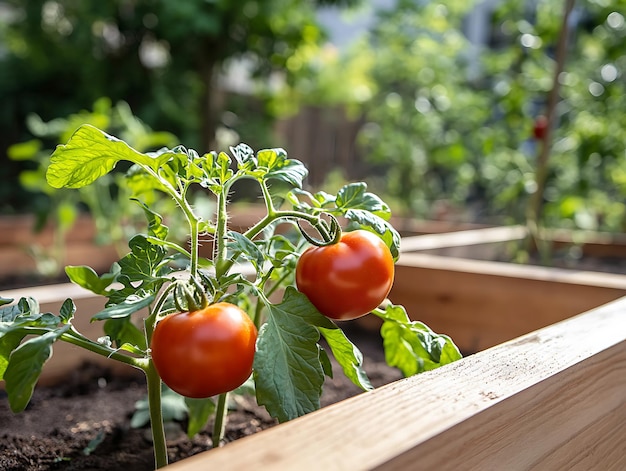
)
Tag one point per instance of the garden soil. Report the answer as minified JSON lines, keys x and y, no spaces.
{"x":84,"y":423}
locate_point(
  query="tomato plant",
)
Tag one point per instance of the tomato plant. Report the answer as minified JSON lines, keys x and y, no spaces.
{"x":206,"y":352}
{"x":348,"y":279}
{"x":200,"y":316}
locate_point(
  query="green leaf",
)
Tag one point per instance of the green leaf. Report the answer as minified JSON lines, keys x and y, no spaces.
{"x":173,"y":404}
{"x":348,"y":356}
{"x":67,"y":311}
{"x":143,"y":263}
{"x":24,"y":150}
{"x":355,"y":196}
{"x":131,"y":304}
{"x":199,"y":411}
{"x":281,"y":251}
{"x":156,"y":228}
{"x":247,"y":248}
{"x":412,"y":346}
{"x":28,"y":306}
{"x":173,"y":407}
{"x":123,"y":331}
{"x":4,"y":301}
{"x":91,"y":153}
{"x":217,"y":171}
{"x":140,"y":418}
{"x":279,"y":167}
{"x":25,"y":306}
{"x":327,"y":366}
{"x":8,"y":343}
{"x":25,"y":314}
{"x":287,"y":369}
{"x":87,"y":278}
{"x":25,"y":365}
{"x":243,"y":153}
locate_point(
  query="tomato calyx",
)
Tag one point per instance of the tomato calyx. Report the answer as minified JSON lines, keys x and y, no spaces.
{"x":330,"y":232}
{"x":189,"y":295}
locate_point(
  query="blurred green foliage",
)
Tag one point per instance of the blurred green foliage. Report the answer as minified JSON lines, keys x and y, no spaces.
{"x":448,"y":121}
{"x":164,"y":58}
{"x":453,"y":121}
{"x":108,"y":200}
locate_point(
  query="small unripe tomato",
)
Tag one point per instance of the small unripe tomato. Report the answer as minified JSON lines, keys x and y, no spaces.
{"x":348,"y":279}
{"x":207,"y":352}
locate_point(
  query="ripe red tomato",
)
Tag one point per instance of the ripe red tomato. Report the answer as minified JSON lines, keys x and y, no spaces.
{"x":540,"y":127}
{"x":348,"y":279}
{"x":206,"y":352}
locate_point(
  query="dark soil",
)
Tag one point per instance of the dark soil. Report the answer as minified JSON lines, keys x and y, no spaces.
{"x":84,"y":423}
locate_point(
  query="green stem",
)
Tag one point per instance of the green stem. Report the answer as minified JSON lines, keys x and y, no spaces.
{"x":153,"y":382}
{"x":284,"y":214}
{"x":193,"y":226}
{"x":220,"y":419}
{"x":180,"y":198}
{"x":76,"y":338}
{"x":157,"y":311}
{"x":222,"y":264}
{"x":170,"y":245}
{"x":156,"y":416}
{"x":267,"y":197}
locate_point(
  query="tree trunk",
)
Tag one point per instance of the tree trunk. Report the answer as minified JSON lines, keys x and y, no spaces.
{"x":210,"y":102}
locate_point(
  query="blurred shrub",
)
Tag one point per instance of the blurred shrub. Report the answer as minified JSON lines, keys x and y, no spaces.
{"x":108,"y":201}
{"x":453,"y":120}
{"x":448,"y":107}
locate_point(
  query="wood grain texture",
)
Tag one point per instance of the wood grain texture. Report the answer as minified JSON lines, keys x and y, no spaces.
{"x":481,"y":304}
{"x":463,"y":239}
{"x":551,"y":399}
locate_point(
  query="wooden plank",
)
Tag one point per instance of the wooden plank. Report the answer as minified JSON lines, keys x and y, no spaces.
{"x":487,"y":242}
{"x":552,"y":399}
{"x":462,"y":238}
{"x":481,"y":304}
{"x":67,"y":357}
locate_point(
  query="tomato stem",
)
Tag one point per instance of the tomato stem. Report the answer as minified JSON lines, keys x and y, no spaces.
{"x":222,"y":264}
{"x":156,"y":416}
{"x":76,"y":338}
{"x":267,"y":197}
{"x":220,"y":419}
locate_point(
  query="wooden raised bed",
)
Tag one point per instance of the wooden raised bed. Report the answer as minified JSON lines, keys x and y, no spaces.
{"x":482,"y":303}
{"x":552,"y":398}
{"x":17,"y":237}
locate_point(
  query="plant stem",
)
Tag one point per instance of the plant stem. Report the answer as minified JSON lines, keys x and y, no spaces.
{"x":156,"y":416}
{"x":181,"y":201}
{"x":220,"y":419}
{"x":193,"y":226}
{"x":222,"y":264}
{"x":267,"y":197}
{"x":541,"y":174}
{"x":75,"y":338}
{"x":271,"y":217}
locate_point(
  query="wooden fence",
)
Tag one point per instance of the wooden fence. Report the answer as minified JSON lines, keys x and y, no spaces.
{"x":325,"y":140}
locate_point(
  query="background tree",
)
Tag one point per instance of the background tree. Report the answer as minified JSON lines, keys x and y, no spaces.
{"x":448,"y":94}
{"x":161,"y":57}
